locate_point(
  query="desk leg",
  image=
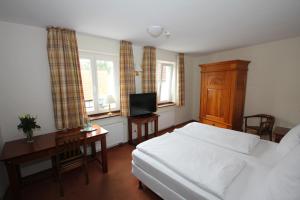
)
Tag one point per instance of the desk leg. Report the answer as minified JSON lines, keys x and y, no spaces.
{"x":14,"y":179}
{"x":156,"y":127}
{"x":93,"y":149}
{"x":146,"y":130}
{"x":129,"y":131}
{"x":104,"y":155}
{"x":139,"y":133}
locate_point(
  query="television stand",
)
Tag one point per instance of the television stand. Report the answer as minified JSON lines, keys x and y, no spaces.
{"x":139,"y":121}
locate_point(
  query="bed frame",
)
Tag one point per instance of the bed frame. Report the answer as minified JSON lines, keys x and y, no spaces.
{"x":162,"y":190}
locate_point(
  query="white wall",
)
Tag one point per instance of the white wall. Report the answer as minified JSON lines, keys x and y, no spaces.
{"x":24,"y":81}
{"x":273,"y":79}
{"x":117,"y":126}
{"x":25,"y":84}
{"x":24,"y":78}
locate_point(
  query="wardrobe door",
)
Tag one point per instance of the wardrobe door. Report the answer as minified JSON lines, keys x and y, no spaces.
{"x":216,"y":96}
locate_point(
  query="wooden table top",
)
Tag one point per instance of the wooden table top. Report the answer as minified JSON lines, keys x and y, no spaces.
{"x":144,"y":116}
{"x":281,"y":130}
{"x":21,"y":147}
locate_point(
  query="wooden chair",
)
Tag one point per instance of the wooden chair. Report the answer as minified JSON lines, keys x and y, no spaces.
{"x":265,"y":126}
{"x":69,"y":155}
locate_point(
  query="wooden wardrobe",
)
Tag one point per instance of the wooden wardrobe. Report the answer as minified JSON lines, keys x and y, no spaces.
{"x":223,"y":89}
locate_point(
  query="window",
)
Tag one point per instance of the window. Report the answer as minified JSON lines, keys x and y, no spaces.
{"x":165,"y":81}
{"x":100,"y":78}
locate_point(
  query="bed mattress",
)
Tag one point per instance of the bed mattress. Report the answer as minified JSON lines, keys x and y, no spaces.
{"x":247,"y":186}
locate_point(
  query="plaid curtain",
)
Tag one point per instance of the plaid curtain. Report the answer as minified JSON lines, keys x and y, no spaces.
{"x":180,"y":83}
{"x":149,"y":69}
{"x":127,"y":77}
{"x":66,"y":84}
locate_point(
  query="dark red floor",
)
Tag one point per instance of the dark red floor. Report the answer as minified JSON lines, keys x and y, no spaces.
{"x":118,"y":183}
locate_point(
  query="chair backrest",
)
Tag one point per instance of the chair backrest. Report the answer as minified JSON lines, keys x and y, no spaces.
{"x":267,"y":123}
{"x":68,"y":144}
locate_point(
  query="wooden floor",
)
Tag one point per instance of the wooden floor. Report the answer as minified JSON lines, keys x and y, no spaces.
{"x":118,"y":183}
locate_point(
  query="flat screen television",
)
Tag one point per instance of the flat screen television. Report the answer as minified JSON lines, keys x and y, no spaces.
{"x":142,"y":104}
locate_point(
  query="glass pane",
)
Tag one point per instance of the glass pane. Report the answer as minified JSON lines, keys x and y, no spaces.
{"x":166,"y":83}
{"x":164,"y":77}
{"x":87,"y":83}
{"x":158,"y":69}
{"x":106,"y":84}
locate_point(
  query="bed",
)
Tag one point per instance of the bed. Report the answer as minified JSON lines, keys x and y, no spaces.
{"x":167,"y":170}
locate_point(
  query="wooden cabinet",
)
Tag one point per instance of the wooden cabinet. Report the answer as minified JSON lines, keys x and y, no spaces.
{"x":222,"y":98}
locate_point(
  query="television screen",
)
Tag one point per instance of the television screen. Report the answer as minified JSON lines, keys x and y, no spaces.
{"x":142,"y":104}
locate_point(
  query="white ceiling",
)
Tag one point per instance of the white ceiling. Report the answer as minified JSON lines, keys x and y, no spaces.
{"x":197,"y":26}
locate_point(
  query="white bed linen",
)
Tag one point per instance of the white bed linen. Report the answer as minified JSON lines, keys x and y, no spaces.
{"x":234,"y":140}
{"x":155,"y":185}
{"x":167,"y":177}
{"x":210,"y":169}
{"x":247,"y":186}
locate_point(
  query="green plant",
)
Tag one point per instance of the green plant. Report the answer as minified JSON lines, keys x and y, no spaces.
{"x":27,"y":123}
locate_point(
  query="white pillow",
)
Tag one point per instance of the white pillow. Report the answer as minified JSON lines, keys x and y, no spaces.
{"x":289,"y":141}
{"x":283,"y":181}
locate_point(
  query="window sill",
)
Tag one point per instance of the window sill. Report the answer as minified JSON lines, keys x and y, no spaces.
{"x":117,"y":113}
{"x":104,"y":115}
{"x":167,"y":104}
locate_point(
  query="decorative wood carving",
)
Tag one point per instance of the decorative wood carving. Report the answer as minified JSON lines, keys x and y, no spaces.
{"x":216,"y":81}
{"x":223,"y":87}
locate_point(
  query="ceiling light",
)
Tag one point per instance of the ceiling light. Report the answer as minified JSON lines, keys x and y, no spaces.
{"x":155,"y":31}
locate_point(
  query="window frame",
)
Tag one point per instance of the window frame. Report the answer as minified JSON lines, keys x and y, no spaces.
{"x":171,"y":99}
{"x":94,"y":56}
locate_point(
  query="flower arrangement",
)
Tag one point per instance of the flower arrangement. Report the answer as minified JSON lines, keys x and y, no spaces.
{"x":28,"y":124}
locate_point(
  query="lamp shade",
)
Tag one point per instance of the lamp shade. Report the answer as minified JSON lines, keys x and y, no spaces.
{"x":110,"y":99}
{"x":138,"y":68}
{"x":155,"y":31}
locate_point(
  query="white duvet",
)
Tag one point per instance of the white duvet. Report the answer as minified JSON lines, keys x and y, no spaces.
{"x":212,"y":170}
{"x":233,"y":140}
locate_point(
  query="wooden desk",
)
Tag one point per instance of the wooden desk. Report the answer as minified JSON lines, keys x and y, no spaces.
{"x":16,"y":152}
{"x":279,"y":132}
{"x":139,"y":121}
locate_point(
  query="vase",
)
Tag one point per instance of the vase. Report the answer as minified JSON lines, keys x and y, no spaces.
{"x":29,"y":135}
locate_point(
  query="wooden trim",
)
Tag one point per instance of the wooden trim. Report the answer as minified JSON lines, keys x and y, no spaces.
{"x":97,"y":116}
{"x":140,"y":121}
{"x":233,"y":65}
{"x":165,"y":104}
{"x":116,"y":113}
{"x":228,"y":62}
{"x":225,"y":80}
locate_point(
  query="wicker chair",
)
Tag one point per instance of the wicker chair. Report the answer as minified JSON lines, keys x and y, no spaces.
{"x":69,"y":155}
{"x":265,"y":126}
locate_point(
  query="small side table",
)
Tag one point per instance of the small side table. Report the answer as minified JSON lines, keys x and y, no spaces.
{"x":279,"y":132}
{"x":139,"y":121}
